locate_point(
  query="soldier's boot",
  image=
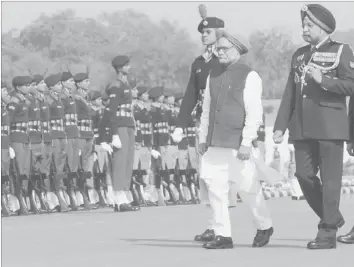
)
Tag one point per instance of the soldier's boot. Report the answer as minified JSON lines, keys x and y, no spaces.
{"x":19,"y":192}
{"x":5,"y":190}
{"x":58,"y":186}
{"x":136,"y":199}
{"x":84,"y":192}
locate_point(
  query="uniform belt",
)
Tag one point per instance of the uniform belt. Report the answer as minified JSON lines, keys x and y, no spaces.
{"x":85,"y":125}
{"x":19,"y":127}
{"x":45,"y":126}
{"x":34,"y":126}
{"x":123,"y":113}
{"x":57,"y":125}
{"x":5,"y":130}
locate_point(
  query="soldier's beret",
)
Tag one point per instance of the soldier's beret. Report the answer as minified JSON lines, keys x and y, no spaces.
{"x":142,"y":90}
{"x":319,"y":15}
{"x":37,"y":78}
{"x":208,"y":22}
{"x":66,"y":76}
{"x":120,"y":61}
{"x":21,"y":80}
{"x":94,"y":95}
{"x":240,"y":46}
{"x":155,"y":92}
{"x":53,"y":79}
{"x":79,"y":77}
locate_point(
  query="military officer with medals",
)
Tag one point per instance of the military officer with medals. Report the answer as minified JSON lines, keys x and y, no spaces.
{"x":85,"y":140}
{"x":18,"y":108}
{"x":313,"y":108}
{"x":7,"y":153}
{"x":118,"y":119}
{"x":58,"y":136}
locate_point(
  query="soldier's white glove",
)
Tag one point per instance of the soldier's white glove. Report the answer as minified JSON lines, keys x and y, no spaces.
{"x":79,"y":152}
{"x":177,"y":135}
{"x":155,"y":154}
{"x":107,"y":147}
{"x":12,"y":153}
{"x":116,"y":141}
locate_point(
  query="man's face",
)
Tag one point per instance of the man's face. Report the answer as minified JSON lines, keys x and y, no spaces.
{"x":135,"y":92}
{"x":84,"y":84}
{"x":5,"y":97}
{"x":170,"y":100}
{"x":98,"y":101}
{"x":227,"y":53}
{"x":42,"y":87}
{"x":58,"y":88}
{"x":160,"y":99}
{"x":69,"y":84}
{"x":208,"y":36}
{"x":125,"y":69}
{"x":145,"y":97}
{"x":25,"y":89}
{"x":311,"y":33}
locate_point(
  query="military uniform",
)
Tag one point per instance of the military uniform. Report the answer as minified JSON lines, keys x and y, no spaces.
{"x":18,"y":108}
{"x":85,"y":143}
{"x":317,"y":120}
{"x":59,"y":142}
{"x":118,"y":119}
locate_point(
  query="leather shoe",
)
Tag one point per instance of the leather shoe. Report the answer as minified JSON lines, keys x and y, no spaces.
{"x":262,"y":237}
{"x":322,"y":244}
{"x":348,"y":238}
{"x":207,"y":236}
{"x":127,"y":207}
{"x":220,"y":242}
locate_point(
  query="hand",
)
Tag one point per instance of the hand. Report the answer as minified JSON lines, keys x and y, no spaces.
{"x":202,"y":148}
{"x":155,"y":154}
{"x":177,"y":135}
{"x":116,"y":141}
{"x":12,"y":153}
{"x":107,"y":147}
{"x":244,"y":152}
{"x":255,"y":143}
{"x":350,"y":149}
{"x":95,"y":156}
{"x":316,"y":74}
{"x":278,"y":137}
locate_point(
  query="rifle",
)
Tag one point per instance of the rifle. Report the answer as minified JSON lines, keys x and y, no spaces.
{"x":169,"y":185}
{"x":138,"y":182}
{"x":100,"y":183}
{"x":179,"y":182}
{"x":192,"y":182}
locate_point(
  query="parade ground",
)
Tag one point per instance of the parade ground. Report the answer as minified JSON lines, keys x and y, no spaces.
{"x":163,"y":236}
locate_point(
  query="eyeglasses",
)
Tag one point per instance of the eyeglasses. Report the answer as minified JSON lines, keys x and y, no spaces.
{"x":223,"y":49}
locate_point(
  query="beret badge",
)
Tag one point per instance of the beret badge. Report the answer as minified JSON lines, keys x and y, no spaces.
{"x":304,"y":8}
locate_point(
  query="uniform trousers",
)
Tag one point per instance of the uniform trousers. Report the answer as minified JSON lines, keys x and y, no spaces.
{"x":22,"y":160}
{"x":41,"y":157}
{"x":322,"y":194}
{"x":223,"y":173}
{"x":59,"y":149}
{"x":86,"y":158}
{"x":73,"y":158}
{"x":5,"y":162}
{"x":103,"y":163}
{"x":122,"y":165}
{"x":169,"y":156}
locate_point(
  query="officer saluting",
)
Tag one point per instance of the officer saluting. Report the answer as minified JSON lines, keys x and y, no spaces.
{"x":313,"y":107}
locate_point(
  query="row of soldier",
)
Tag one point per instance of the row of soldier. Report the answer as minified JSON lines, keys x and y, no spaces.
{"x":53,"y":160}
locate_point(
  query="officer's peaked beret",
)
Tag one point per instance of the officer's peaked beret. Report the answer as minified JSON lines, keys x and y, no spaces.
{"x":208,"y":22}
{"x":319,"y":15}
{"x":79,"y":77}
{"x":37,"y":78}
{"x":120,"y":61}
{"x":66,"y":76}
{"x":142,"y":90}
{"x":53,"y":79}
{"x":155,"y":92}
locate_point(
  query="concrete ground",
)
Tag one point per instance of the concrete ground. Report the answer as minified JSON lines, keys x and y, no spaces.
{"x":162,"y":236}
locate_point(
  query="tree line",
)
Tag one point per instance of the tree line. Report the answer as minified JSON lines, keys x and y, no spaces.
{"x":161,"y":52}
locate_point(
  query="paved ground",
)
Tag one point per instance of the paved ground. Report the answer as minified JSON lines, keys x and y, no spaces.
{"x":161,"y":236}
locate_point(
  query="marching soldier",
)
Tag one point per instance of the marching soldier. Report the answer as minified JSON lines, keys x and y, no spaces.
{"x":18,"y":108}
{"x":47,"y":155}
{"x":102,"y":168}
{"x":313,"y":107}
{"x":7,"y":153}
{"x":85,"y":140}
{"x":72,"y":135}
{"x":118,"y":119}
{"x":58,"y":135}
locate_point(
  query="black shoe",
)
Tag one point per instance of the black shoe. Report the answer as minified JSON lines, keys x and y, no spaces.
{"x":127,"y":207}
{"x":220,"y":242}
{"x":262,"y":237}
{"x":207,"y":236}
{"x":322,"y":244}
{"x":348,"y":238}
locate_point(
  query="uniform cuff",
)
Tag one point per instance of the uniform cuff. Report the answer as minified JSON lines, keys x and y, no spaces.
{"x":246,"y":142}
